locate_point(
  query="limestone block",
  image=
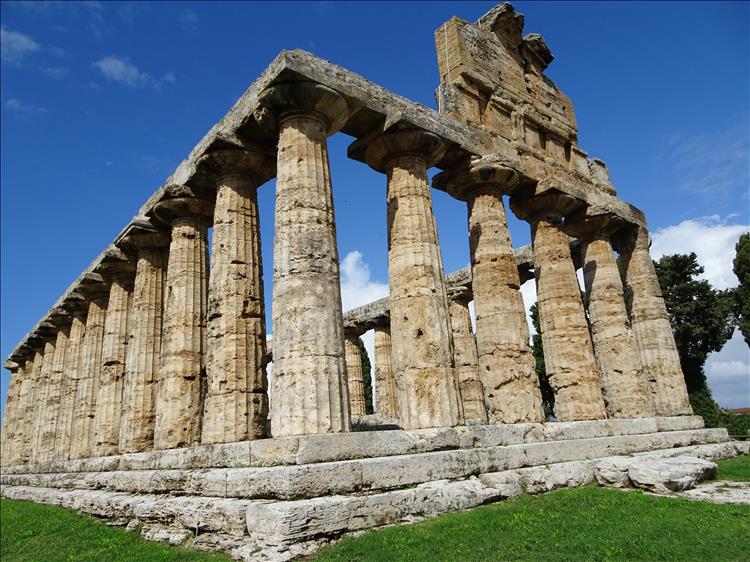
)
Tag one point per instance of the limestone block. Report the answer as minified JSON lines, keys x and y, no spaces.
{"x":466,"y":362}
{"x":671,"y":475}
{"x":721,"y":491}
{"x":144,"y":346}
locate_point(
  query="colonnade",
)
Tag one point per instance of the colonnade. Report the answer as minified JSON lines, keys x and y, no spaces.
{"x":155,"y":353}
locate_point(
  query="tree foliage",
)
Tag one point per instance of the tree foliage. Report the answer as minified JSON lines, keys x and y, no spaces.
{"x":548,"y":395}
{"x":742,"y":292}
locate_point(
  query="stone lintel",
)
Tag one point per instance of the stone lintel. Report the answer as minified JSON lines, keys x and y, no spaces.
{"x":592,"y":222}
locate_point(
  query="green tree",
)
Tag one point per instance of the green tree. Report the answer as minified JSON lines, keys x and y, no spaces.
{"x":548,"y":395}
{"x":742,"y":292}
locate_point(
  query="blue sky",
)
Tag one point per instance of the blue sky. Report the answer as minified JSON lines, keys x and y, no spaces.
{"x":101,"y":101}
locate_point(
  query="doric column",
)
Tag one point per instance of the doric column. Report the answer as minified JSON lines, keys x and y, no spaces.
{"x":568,"y":351}
{"x":623,"y":385}
{"x":465,"y":358}
{"x":119,"y":270}
{"x":385,"y":383}
{"x":179,"y":397}
{"x":506,"y":364}
{"x":38,"y":446}
{"x":422,"y":347}
{"x":236,"y":401}
{"x":90,"y":366}
{"x":23,"y":428}
{"x":51,"y":405}
{"x":309,"y":388}
{"x":355,"y":380}
{"x":69,"y":387}
{"x":10,"y":415}
{"x":653,"y":332}
{"x":144,"y":341}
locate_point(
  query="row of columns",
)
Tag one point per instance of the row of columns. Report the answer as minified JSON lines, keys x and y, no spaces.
{"x":158,"y":355}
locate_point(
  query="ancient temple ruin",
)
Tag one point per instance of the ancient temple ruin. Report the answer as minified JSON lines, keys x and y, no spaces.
{"x":142,"y":394}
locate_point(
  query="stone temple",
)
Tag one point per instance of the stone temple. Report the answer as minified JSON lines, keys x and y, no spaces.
{"x":142,"y":395}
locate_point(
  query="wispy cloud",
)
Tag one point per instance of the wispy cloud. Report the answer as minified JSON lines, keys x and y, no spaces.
{"x":14,"y":105}
{"x":16,"y":46}
{"x":188,"y":20}
{"x":122,"y":71}
{"x":92,"y":10}
{"x":713,"y":164}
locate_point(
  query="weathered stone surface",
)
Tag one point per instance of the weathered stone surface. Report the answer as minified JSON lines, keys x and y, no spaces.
{"x":90,"y":364}
{"x":354,"y":377}
{"x":655,"y":474}
{"x":24,"y":426}
{"x":11,"y":415}
{"x":386,"y":404}
{"x":624,"y":387}
{"x":721,"y":491}
{"x":421,"y":341}
{"x":179,"y":402}
{"x":51,"y":405}
{"x":38,"y":454}
{"x":144,"y":346}
{"x":111,"y":381}
{"x":309,"y":387}
{"x":236,"y":402}
{"x":465,"y":360}
{"x":69,"y":389}
{"x":648,"y":315}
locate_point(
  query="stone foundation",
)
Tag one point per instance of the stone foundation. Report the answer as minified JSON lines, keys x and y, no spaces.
{"x":284,"y":497}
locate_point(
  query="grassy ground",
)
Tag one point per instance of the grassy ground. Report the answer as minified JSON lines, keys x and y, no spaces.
{"x":32,"y":532}
{"x":579,"y":524}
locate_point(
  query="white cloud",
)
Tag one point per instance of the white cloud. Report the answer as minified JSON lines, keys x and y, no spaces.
{"x":56,"y":72}
{"x":357,"y":288}
{"x":15,"y":46}
{"x":712,"y":240}
{"x":728,"y":373}
{"x":122,"y":71}
{"x":15,"y":105}
{"x":188,"y":20}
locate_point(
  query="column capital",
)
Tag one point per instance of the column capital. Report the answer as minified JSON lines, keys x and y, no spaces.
{"x":545,"y":199}
{"x":11,"y":366}
{"x":181,"y":202}
{"x":94,"y":287}
{"x":479,"y":173}
{"x":632,"y":237}
{"x":142,"y":233}
{"x":592,"y":222}
{"x":289,"y":99}
{"x":61,"y":318}
{"x":117,"y":266}
{"x":380,"y":151}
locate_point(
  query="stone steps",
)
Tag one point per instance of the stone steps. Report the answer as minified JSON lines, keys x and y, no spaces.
{"x":363,"y":475}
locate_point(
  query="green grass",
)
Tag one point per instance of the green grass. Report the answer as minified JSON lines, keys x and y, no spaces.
{"x":588,"y":523}
{"x":737,"y":468}
{"x":32,"y":532}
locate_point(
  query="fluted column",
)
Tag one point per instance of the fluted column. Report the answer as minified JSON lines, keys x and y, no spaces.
{"x":144,"y":344}
{"x":51,"y":405}
{"x":385,"y":383}
{"x":354,"y":375}
{"x":10,"y":415}
{"x":422,"y":347}
{"x":179,"y":401}
{"x":69,"y":388}
{"x":568,"y":351}
{"x":465,"y":358}
{"x":112,"y":376}
{"x":82,"y":431}
{"x":23,"y":428}
{"x":624,"y":387}
{"x":309,"y":383}
{"x":236,"y":402}
{"x":653,"y":331}
{"x":506,"y":364}
{"x":38,"y":446}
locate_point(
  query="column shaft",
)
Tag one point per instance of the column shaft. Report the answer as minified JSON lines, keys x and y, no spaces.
{"x":385,"y":383}
{"x":111,"y":378}
{"x":82,"y":432}
{"x":467,"y":368}
{"x":51,"y":412}
{"x":179,"y":402}
{"x":69,"y":388}
{"x":506,"y":364}
{"x":142,"y":358}
{"x":653,"y":331}
{"x":309,"y":371}
{"x":236,"y":404}
{"x":354,"y":376}
{"x":24,"y":424}
{"x":422,"y":350}
{"x":568,"y":352}
{"x":10,"y":417}
{"x":38,"y":446}
{"x":615,"y":347}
